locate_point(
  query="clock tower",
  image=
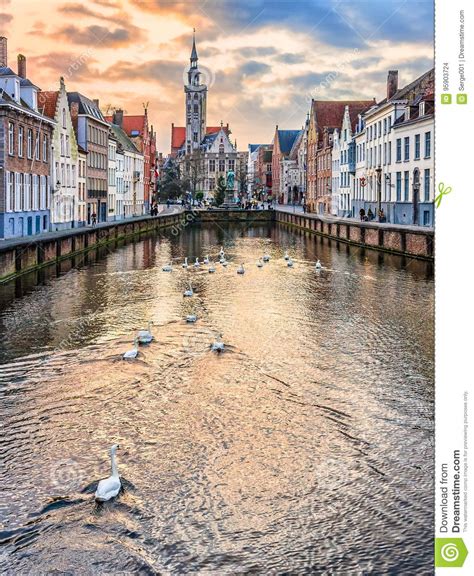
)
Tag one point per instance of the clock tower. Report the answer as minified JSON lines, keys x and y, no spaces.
{"x":196,"y":96}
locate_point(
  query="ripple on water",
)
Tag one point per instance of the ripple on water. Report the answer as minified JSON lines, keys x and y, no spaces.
{"x":296,"y":451}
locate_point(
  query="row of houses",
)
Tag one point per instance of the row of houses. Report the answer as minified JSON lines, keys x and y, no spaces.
{"x":356,"y":158}
{"x":63,"y":164}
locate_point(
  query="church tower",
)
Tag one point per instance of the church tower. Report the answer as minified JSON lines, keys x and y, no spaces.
{"x":196,"y":95}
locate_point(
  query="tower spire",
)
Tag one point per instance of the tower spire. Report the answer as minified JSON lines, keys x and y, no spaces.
{"x":194,"y":55}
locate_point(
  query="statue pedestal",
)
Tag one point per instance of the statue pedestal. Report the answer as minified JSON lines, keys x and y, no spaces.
{"x":229,"y":199}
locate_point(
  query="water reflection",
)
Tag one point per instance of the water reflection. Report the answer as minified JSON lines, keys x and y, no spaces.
{"x":304,"y":448}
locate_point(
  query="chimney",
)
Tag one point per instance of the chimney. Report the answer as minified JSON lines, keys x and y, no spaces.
{"x":21,"y":66}
{"x":96,"y":102}
{"x":118,"y":117}
{"x":392,"y":83}
{"x":3,"y":52}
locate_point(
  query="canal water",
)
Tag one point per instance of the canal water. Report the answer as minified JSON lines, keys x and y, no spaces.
{"x":307,"y":447}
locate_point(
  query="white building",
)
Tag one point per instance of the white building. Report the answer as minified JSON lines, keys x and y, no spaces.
{"x":66,"y":205}
{"x":335,"y":172}
{"x":398,"y":131}
{"x":130,"y":176}
{"x":347,"y":165}
{"x":252,"y":176}
{"x":81,"y":184}
{"x":112,"y":178}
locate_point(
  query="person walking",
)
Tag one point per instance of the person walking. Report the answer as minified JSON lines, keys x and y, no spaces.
{"x":94,"y":218}
{"x":361,"y":214}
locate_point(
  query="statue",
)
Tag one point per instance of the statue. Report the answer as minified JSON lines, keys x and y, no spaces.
{"x":230,"y":180}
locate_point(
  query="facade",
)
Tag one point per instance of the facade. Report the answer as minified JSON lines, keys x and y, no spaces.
{"x":282,"y":145}
{"x":143,"y":136}
{"x":323,"y":173}
{"x":252,"y":179}
{"x":264,"y":172}
{"x":25,"y":143}
{"x":325,"y":114}
{"x":399,"y":164}
{"x":203,"y":153}
{"x":82,"y":185}
{"x":130,"y":165}
{"x":67,"y":209}
{"x":112,"y":178}
{"x":92,"y":134}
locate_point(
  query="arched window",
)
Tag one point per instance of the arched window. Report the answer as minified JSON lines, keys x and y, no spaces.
{"x":196,"y":97}
{"x":196,"y":108}
{"x":221,"y":149}
{"x":64,"y":117}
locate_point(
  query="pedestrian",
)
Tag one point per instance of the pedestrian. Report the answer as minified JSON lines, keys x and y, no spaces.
{"x":94,"y":218}
{"x":370,"y":214}
{"x":382,"y":216}
{"x":362,"y":214}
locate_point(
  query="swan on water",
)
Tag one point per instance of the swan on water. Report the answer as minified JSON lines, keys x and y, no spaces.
{"x":259,"y":263}
{"x":191,"y":318}
{"x":287,"y":256}
{"x":222,"y":253}
{"x":289,"y":263}
{"x":241,"y":269}
{"x":185,"y":263}
{"x":145,"y":336}
{"x":196,"y":263}
{"x":218,"y":345}
{"x":212,"y":268}
{"x":206,"y":260}
{"x":189,"y":291}
{"x":133,"y":353}
{"x":266,"y":258}
{"x":318,"y":265}
{"x":222,"y":260}
{"x":167,"y":268}
{"x":109,"y":487}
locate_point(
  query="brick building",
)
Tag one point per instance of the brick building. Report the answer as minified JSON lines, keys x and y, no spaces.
{"x":282,"y":144}
{"x":92,"y":134}
{"x":25,"y":140}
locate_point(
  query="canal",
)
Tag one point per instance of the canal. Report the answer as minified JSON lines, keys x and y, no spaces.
{"x":307,"y":447}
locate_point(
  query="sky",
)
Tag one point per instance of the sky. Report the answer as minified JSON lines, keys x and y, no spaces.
{"x":263,"y":60}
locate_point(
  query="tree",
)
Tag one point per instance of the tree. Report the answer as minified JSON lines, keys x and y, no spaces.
{"x":194,"y":168}
{"x":171,"y":185}
{"x":219,"y":195}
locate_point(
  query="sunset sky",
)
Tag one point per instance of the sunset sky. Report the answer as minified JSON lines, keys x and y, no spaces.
{"x":263,"y":60}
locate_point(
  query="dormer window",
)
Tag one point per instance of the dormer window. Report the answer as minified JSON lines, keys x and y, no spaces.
{"x":407,"y":113}
{"x":64,"y":117}
{"x":422,"y":109}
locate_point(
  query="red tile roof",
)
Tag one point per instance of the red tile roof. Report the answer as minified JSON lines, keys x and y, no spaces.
{"x":47,"y":102}
{"x":131,"y":123}
{"x":329,"y":113}
{"x":178,"y":134}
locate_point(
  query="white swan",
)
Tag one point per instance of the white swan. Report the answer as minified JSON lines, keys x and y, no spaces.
{"x":286,"y":256}
{"x":145,"y":336}
{"x":222,"y":260}
{"x":224,"y":263}
{"x":191,"y":318}
{"x":196,"y":263}
{"x":189,"y":292}
{"x":185,"y":263}
{"x":133,"y":353}
{"x":167,"y":268}
{"x":218,"y":345}
{"x":241,"y":269}
{"x":109,"y":487}
{"x":318,"y":265}
{"x":206,"y":260}
{"x":212,"y":269}
{"x":289,"y":263}
{"x":259,"y":263}
{"x":266,"y":258}
{"x":222,"y":253}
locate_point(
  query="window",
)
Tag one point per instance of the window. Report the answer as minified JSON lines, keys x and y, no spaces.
{"x":221,"y":165}
{"x":195,"y":137}
{"x":212,"y":165}
{"x":427,"y":144}
{"x":399,"y":186}
{"x":11,"y":192}
{"x":385,"y":153}
{"x":407,"y":185}
{"x":68,"y":151}
{"x":11,"y":138}
{"x":426,"y":218}
{"x":389,"y":150}
{"x":406,"y":149}
{"x":427,"y":185}
{"x":399,"y":149}
{"x":417,"y":146}
{"x":45,"y":148}
{"x":36,"y":198}
{"x":29,"y":145}
{"x":21,"y":133}
{"x":64,"y":117}
{"x":384,"y":125}
{"x":37,"y":146}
